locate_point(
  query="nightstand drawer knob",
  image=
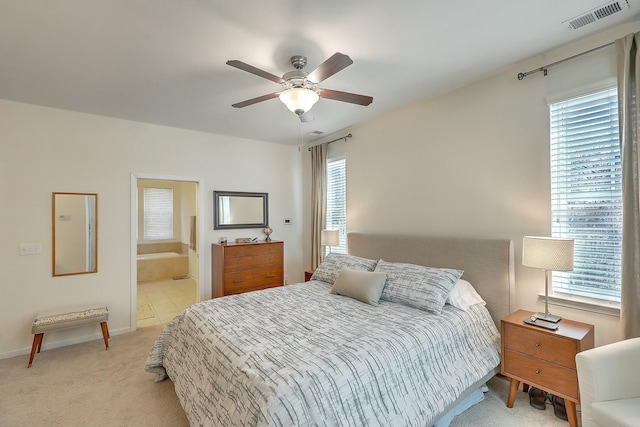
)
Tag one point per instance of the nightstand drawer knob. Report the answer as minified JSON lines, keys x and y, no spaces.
{"x":537,"y":371}
{"x":537,"y":344}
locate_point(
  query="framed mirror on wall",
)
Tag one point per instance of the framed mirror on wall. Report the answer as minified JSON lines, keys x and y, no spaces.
{"x":235,"y":209}
{"x":75,"y":233}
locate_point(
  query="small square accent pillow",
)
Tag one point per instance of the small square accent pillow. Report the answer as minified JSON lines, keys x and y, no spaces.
{"x":463,"y":295}
{"x":365,"y":286}
{"x":333,"y":263}
{"x":426,"y":288}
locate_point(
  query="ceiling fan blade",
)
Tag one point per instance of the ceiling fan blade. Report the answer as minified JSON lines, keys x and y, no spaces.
{"x":339,"y":61}
{"x":346,"y":97}
{"x":253,"y":70}
{"x":256,"y":100}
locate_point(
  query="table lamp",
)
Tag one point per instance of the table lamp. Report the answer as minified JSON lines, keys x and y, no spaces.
{"x":548,"y":254}
{"x":330,"y":238}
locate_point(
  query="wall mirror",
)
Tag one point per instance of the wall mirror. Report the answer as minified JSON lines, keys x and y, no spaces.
{"x":234,"y":209}
{"x":75,"y":233}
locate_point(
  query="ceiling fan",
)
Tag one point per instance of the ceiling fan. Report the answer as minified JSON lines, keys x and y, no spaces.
{"x":300,"y":89}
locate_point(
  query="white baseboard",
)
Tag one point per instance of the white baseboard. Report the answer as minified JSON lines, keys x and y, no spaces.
{"x":50,"y":345}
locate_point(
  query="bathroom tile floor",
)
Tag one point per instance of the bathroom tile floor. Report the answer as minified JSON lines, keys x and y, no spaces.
{"x":160,"y":301}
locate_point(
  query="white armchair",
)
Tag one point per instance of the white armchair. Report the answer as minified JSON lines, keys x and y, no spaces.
{"x":609,"y":380}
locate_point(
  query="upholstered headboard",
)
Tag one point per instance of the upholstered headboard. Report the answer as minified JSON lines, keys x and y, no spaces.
{"x":487,"y":263}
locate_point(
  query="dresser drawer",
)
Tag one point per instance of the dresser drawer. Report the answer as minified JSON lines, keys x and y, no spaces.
{"x":252,"y":279}
{"x":531,"y":370}
{"x":248,"y":250}
{"x":252,"y":262}
{"x":540,"y":344}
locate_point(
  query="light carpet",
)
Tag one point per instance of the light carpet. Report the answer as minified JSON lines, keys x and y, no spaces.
{"x":86,"y":385}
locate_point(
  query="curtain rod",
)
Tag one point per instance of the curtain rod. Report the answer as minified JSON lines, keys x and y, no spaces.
{"x":544,"y":68}
{"x":337,"y":139}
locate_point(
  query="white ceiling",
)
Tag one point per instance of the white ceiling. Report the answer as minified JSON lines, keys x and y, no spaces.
{"x":163,"y":61}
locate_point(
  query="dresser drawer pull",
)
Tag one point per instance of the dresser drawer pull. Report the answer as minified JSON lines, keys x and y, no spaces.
{"x":271,"y":276}
{"x":537,"y":371}
{"x":537,"y":344}
{"x":238,"y":281}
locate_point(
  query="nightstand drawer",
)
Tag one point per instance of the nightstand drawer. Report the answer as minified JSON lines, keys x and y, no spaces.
{"x":552,"y":377}
{"x":540,"y":344}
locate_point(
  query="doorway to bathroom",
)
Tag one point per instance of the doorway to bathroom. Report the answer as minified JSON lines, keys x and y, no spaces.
{"x":166,"y":264}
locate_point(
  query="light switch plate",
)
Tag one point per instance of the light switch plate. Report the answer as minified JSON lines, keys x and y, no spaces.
{"x":30,"y":248}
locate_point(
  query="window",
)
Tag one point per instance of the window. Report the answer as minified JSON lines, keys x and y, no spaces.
{"x":586,"y":192}
{"x":337,"y":201}
{"x":158,"y":213}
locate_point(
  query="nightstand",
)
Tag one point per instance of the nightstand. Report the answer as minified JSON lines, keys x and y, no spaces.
{"x":308,"y":274}
{"x":543,"y":358}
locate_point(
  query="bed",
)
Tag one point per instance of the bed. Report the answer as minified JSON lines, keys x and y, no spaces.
{"x":299,"y":355}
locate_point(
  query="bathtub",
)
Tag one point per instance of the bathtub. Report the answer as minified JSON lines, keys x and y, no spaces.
{"x":162,"y":266}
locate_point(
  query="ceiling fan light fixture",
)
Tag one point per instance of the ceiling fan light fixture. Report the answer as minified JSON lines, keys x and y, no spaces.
{"x":299,"y":100}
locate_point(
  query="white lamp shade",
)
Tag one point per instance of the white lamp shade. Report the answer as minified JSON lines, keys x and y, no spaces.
{"x":330,"y":237}
{"x":547,"y":253}
{"x":299,"y":100}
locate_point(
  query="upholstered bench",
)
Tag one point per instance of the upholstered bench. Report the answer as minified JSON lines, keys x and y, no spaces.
{"x":70,"y":318}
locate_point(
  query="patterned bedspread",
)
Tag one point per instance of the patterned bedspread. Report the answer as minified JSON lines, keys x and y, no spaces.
{"x":300,"y":356}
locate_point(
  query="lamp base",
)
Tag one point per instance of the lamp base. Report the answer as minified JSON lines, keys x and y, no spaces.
{"x":548,"y":317}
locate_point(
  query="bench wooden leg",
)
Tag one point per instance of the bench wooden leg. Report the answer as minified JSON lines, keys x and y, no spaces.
{"x":105,"y":334}
{"x":37,"y":344}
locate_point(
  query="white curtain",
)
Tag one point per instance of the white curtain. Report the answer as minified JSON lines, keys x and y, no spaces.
{"x":318,"y":200}
{"x":628,"y":94}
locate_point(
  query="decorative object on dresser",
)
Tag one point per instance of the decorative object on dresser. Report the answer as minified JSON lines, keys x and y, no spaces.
{"x":244,"y":267}
{"x":330,"y":238}
{"x":267,"y":232}
{"x":543,"y":358}
{"x":547,"y":253}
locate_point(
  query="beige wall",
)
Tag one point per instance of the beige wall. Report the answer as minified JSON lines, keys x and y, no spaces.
{"x":472,"y":162}
{"x":45,"y":150}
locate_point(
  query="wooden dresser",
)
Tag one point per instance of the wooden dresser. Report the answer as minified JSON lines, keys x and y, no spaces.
{"x":544,"y":358}
{"x":244,"y":267}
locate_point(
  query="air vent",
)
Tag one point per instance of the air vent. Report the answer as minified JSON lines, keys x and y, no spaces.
{"x":582,"y":21}
{"x":609,"y":9}
{"x":596,"y":14}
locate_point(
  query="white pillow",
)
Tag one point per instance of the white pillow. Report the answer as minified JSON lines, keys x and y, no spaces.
{"x":463,"y":296}
{"x":365,"y":286}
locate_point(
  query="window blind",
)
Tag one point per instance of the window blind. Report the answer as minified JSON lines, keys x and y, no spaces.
{"x":337,"y":201}
{"x":158,"y":213}
{"x":586,"y":192}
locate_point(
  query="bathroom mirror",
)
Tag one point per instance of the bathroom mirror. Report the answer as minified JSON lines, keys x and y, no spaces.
{"x":234,"y":209}
{"x":75,"y":233}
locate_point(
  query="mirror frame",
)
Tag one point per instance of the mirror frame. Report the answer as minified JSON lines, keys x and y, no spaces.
{"x":53,"y":235}
{"x":216,"y":206}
